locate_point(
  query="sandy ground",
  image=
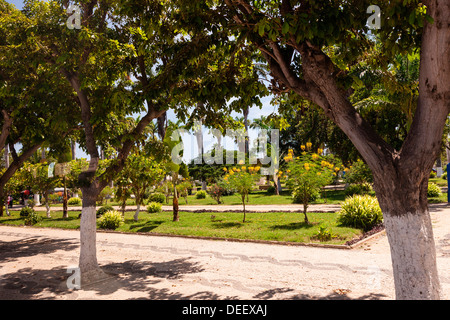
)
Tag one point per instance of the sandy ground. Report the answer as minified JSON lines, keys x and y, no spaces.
{"x":36,"y":263}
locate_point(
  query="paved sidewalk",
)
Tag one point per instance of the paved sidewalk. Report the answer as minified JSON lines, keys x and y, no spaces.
{"x":34,"y":264}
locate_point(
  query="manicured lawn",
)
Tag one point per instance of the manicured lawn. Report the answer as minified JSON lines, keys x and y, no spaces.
{"x":277,"y":226}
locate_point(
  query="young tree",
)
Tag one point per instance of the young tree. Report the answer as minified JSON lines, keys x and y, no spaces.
{"x":140,"y":173}
{"x":241,"y":180}
{"x":307,"y":174}
{"x":315,"y":50}
{"x":36,"y":176}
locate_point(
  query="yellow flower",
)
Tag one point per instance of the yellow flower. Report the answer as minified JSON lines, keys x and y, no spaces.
{"x":308,"y":145}
{"x":318,"y":173}
{"x":336,"y":169}
{"x":319,"y":151}
{"x":302,"y":147}
{"x":243,"y":168}
{"x":225,"y":169}
{"x":315,"y":156}
{"x":288,"y":171}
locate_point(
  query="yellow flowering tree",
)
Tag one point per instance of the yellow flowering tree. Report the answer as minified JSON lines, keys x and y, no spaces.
{"x":306,"y":174}
{"x":241,"y":180}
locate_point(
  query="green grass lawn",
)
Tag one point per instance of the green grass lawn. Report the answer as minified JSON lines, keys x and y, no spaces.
{"x":256,"y":198}
{"x":262,"y":197}
{"x":275,"y":226}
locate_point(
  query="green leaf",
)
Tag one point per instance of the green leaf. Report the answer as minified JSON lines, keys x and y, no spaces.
{"x":285,"y":28}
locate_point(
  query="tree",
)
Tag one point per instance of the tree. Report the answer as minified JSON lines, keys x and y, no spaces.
{"x":144,"y":58}
{"x":313,"y":49}
{"x":307,"y":174}
{"x":139,"y":174}
{"x":36,"y":176}
{"x":35,"y":105}
{"x":241,"y":180}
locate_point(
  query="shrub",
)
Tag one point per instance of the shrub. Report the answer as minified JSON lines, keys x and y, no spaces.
{"x":74,"y":201}
{"x":360,"y":188}
{"x":433,"y":190}
{"x":432,"y":174}
{"x":360,"y":211}
{"x":110,"y":220}
{"x":216,"y":191}
{"x":324,"y":234}
{"x":157,"y":197}
{"x":444,"y":176}
{"x":103,"y":210}
{"x":271,"y":190}
{"x":26,"y":211}
{"x":154,"y":207}
{"x":32,"y":218}
{"x":201,"y":194}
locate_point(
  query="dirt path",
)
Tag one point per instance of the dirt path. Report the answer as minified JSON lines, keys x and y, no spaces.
{"x":34,"y":264}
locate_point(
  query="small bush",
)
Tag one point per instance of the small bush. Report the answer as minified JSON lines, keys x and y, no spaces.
{"x":200,"y":194}
{"x":360,"y":188}
{"x":74,"y":201}
{"x":32,"y":218}
{"x":324,"y":234}
{"x":157,"y":197}
{"x":154,"y":207}
{"x":216,"y":191}
{"x":26,"y":211}
{"x":444,"y":176}
{"x":271,"y":190}
{"x":432,"y":174}
{"x":433,"y":190}
{"x":110,"y":220}
{"x":103,"y":210}
{"x":360,"y":211}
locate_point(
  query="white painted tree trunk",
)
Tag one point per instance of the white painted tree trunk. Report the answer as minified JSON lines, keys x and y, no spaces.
{"x":47,"y":206}
{"x":136,"y":214}
{"x":413,"y":256}
{"x":88,"y":250}
{"x":37,"y":200}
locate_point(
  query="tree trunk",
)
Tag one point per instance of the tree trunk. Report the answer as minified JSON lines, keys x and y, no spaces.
{"x":47,"y":204}
{"x":243,"y":203}
{"x":305,"y":210}
{"x":176,"y":216}
{"x":410,"y":234}
{"x":65,"y":211}
{"x":138,"y":209}
{"x":89,"y":268}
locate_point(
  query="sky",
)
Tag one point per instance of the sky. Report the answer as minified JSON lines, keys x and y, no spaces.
{"x":189,"y":140}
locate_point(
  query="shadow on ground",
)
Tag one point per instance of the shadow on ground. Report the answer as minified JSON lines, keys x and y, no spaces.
{"x":13,"y":250}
